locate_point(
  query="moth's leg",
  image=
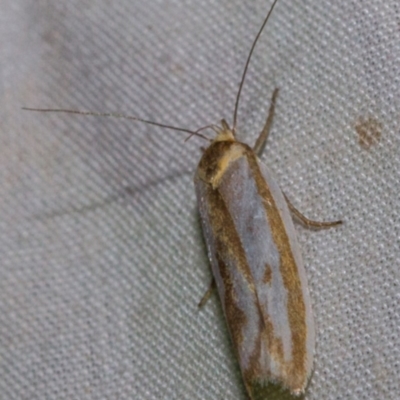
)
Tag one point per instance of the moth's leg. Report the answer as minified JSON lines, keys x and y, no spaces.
{"x":262,"y":138}
{"x":207,"y":294}
{"x":308,"y":222}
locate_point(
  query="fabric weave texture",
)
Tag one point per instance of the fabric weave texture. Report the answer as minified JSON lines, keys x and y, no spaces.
{"x":103,"y":261}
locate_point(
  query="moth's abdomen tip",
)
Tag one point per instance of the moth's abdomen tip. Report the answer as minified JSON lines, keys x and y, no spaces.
{"x":258,"y":390}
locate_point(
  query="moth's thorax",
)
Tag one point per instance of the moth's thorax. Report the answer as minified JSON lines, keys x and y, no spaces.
{"x":218,"y":157}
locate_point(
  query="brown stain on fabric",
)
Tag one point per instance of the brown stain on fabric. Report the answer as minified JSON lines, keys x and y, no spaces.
{"x":369,"y":131}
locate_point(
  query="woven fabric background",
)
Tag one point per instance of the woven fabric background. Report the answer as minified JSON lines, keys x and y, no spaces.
{"x":102,"y":257}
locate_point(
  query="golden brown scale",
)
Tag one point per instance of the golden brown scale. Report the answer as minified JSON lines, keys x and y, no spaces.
{"x":267,"y":274}
{"x":208,"y":165}
{"x":235,"y":316}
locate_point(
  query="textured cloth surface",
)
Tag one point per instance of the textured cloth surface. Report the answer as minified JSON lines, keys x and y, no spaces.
{"x":102,"y":257}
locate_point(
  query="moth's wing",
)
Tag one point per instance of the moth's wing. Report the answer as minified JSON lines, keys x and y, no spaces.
{"x":296,"y":287}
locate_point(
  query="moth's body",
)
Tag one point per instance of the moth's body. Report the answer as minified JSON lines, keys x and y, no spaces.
{"x":257,"y":265}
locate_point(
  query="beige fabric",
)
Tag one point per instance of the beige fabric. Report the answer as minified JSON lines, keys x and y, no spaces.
{"x":102,"y":255}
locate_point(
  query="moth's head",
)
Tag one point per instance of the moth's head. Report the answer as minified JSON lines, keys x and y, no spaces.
{"x":224,"y":133}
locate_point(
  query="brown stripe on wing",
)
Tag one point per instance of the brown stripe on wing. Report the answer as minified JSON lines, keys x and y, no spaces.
{"x":267,"y":273}
{"x":228,"y":245}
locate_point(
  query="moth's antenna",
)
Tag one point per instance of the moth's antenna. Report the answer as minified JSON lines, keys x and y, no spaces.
{"x":118,"y":115}
{"x":247,"y":65}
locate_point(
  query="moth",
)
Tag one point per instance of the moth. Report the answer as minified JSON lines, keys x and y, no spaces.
{"x":256,"y":263}
{"x":254,"y":254}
